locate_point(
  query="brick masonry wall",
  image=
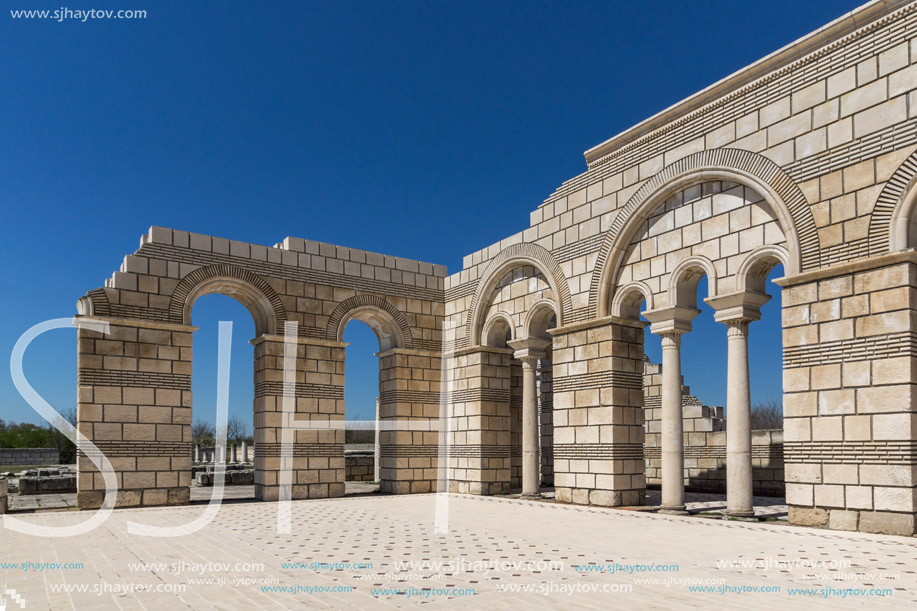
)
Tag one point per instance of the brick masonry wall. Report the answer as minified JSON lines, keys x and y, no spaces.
{"x":29,"y":456}
{"x":360,"y":468}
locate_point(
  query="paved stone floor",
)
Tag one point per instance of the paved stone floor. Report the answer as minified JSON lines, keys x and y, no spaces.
{"x":614,"y":551}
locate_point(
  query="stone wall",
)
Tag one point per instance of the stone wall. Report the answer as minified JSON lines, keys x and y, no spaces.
{"x":360,"y":467}
{"x":28,"y":456}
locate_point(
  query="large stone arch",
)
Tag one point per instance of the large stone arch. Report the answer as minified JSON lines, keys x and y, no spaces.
{"x":389,"y":324}
{"x":511,"y":257}
{"x":888,"y":224}
{"x":248,"y":288}
{"x":735,"y":165}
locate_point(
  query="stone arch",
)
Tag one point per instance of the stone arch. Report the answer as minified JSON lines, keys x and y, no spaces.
{"x":247,"y":288}
{"x":888,"y":225}
{"x":754,"y":268}
{"x":388,"y":323}
{"x":511,"y":257}
{"x":734,"y":165}
{"x":538,"y":319}
{"x":627,"y":300}
{"x":493,"y":334}
{"x":684,"y":278}
{"x":94,"y":303}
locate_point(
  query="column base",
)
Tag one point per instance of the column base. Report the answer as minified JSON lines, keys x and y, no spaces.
{"x":531,"y":496}
{"x":677,"y":510}
{"x":740,"y":514}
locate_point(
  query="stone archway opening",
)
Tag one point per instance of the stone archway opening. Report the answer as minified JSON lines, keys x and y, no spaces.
{"x":210,"y":309}
{"x":365,"y":334}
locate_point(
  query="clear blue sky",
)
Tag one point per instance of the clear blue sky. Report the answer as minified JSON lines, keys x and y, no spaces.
{"x":424,"y":130}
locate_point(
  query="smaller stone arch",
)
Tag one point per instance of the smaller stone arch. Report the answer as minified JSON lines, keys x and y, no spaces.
{"x":684,"y":278}
{"x":893,"y":214}
{"x":754,"y":268}
{"x":538,"y":320}
{"x":496,"y":329}
{"x":388,"y":323}
{"x":247,"y":288}
{"x":513,"y":256}
{"x":94,"y":303}
{"x":627,"y":300}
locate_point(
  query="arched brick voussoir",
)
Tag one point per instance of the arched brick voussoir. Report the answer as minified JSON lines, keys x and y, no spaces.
{"x":341,"y":315}
{"x":885,"y":232}
{"x":509,"y":258}
{"x":248,"y":288}
{"x":736,"y":165}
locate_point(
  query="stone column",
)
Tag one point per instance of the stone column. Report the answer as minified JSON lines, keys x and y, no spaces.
{"x":245,"y":452}
{"x":235,"y":453}
{"x":737,"y":310}
{"x":376,"y":465}
{"x":529,"y":351}
{"x":673,"y":459}
{"x":670,"y":323}
{"x":738,"y":424}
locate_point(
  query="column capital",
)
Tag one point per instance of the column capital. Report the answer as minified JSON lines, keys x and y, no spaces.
{"x":673,"y":320}
{"x":735,"y":307}
{"x":532,"y":348}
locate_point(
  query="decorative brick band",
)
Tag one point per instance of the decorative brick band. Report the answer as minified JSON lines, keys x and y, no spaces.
{"x":292,"y":272}
{"x":773,"y":452}
{"x":409,"y":451}
{"x":300,"y":450}
{"x":133,"y":379}
{"x":409,"y":396}
{"x":479,"y":451}
{"x":302,"y":390}
{"x":578,"y":248}
{"x":850,"y":350}
{"x":479,"y":394}
{"x":852,"y":452}
{"x":144,"y":449}
{"x":598,"y":451}
{"x":600,"y":379}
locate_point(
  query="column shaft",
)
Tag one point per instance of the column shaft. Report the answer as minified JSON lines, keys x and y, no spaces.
{"x":738,"y":424}
{"x":673,"y":460}
{"x":530,"y":477}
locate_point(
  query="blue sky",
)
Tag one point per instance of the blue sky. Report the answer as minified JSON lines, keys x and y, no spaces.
{"x":424,"y":130}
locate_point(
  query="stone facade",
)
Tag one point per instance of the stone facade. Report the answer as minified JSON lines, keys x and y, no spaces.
{"x":29,"y":456}
{"x":528,"y":361}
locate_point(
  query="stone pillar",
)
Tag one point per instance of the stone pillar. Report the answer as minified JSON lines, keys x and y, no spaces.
{"x":134,"y":404}
{"x":529,"y":351}
{"x":737,"y":310}
{"x":318,"y":455}
{"x":235,"y":453}
{"x":597,"y":385}
{"x":376,"y":465}
{"x":479,"y":414}
{"x":546,"y":421}
{"x":670,"y":323}
{"x":196,"y":453}
{"x":409,"y":386}
{"x":850,"y":395}
{"x":244,"y":452}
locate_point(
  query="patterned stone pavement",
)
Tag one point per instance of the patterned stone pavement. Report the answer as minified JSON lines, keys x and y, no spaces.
{"x":543,"y":540}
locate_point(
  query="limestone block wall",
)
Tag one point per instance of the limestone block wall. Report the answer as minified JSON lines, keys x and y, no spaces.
{"x":29,"y":456}
{"x":319,"y":287}
{"x":480,"y":433}
{"x":134,"y":403}
{"x":409,"y":392}
{"x":360,"y":467}
{"x":849,"y":382}
{"x":598,"y":414}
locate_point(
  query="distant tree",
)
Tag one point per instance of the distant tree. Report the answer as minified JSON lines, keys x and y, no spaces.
{"x":66,"y":449}
{"x":202,"y":433}
{"x":236,"y":430}
{"x":767,"y":415}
